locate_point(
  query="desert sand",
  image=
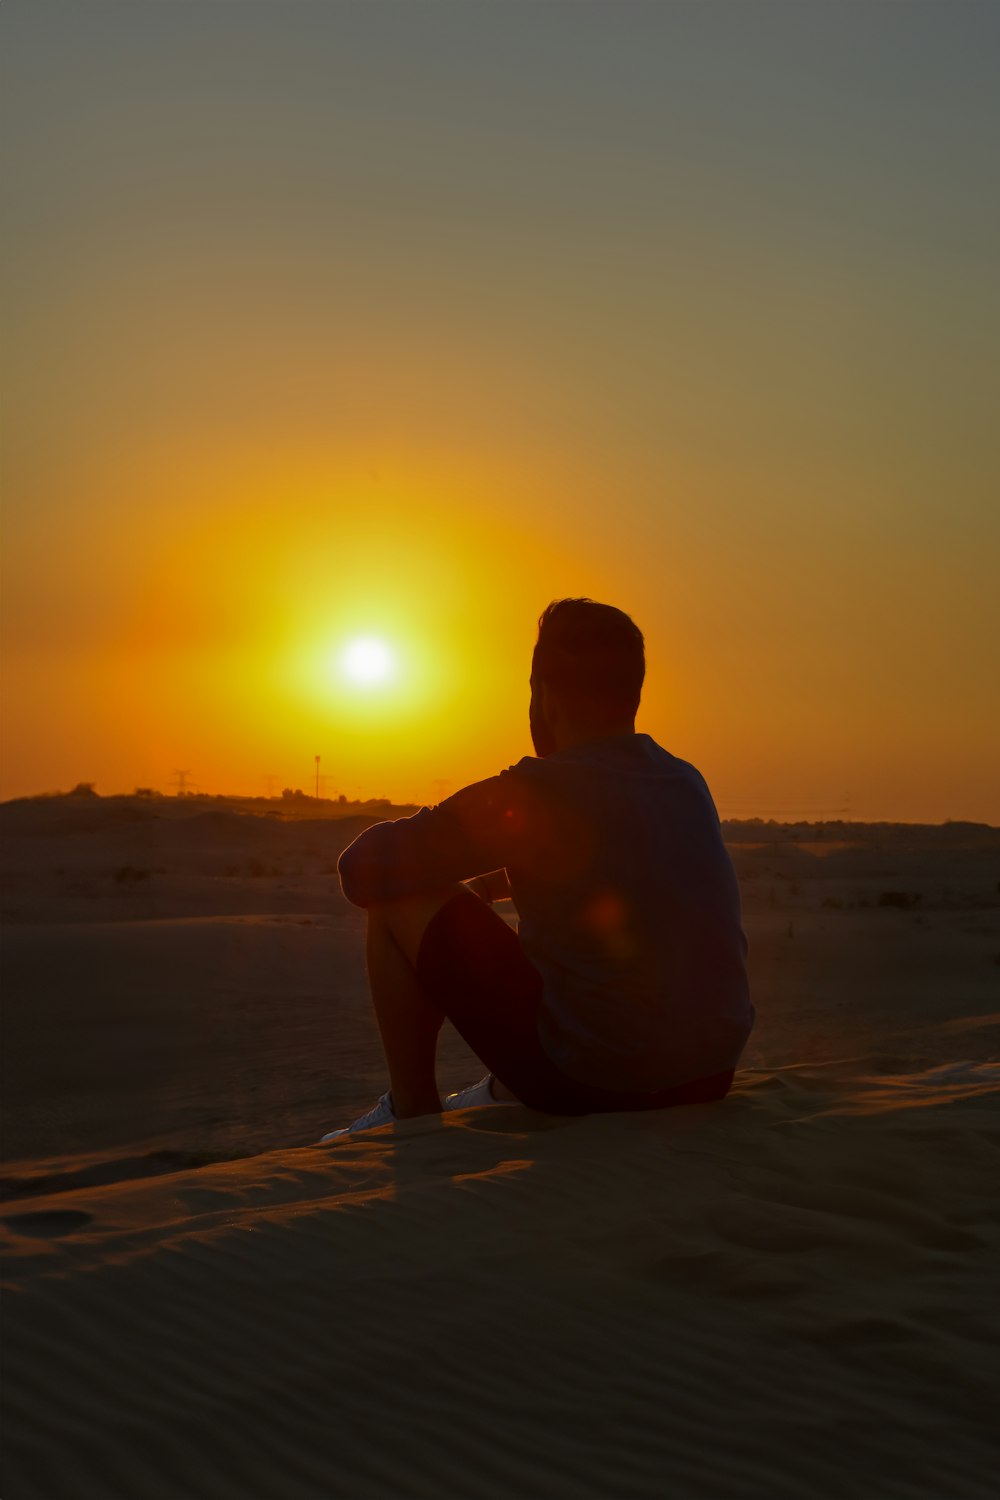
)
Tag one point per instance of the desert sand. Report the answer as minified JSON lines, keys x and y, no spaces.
{"x":792,"y":1293}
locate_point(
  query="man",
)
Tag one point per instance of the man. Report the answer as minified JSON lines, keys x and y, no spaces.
{"x":625,"y":984}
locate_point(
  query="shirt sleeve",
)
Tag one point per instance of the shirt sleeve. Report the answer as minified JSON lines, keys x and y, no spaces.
{"x":484,"y":827}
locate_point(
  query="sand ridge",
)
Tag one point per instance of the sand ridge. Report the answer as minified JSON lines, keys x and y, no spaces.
{"x":783,"y":1294}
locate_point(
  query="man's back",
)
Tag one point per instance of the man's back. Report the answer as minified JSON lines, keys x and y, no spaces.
{"x":629,"y":908}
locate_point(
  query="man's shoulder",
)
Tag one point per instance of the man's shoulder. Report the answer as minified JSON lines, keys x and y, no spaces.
{"x":495,"y":796}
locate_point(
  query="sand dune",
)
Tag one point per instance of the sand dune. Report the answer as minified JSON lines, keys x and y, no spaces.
{"x":782,"y":1295}
{"x":789,"y":1294}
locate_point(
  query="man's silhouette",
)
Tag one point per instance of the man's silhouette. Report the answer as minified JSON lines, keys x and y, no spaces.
{"x":625,"y":984}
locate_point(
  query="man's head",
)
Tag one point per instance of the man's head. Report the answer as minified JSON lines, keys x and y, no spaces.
{"x":586,"y":674}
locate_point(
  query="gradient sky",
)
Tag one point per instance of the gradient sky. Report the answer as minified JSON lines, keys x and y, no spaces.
{"x":327,"y":320}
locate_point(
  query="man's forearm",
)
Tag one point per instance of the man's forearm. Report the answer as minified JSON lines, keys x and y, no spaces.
{"x":474,"y":829}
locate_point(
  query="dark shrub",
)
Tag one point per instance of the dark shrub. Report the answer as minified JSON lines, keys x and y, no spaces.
{"x":904,"y":899}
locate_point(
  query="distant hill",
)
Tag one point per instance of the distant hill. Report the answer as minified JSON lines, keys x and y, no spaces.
{"x":86,"y":808}
{"x":950,"y":835}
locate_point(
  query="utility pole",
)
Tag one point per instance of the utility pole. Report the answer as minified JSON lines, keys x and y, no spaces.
{"x":317,"y":778}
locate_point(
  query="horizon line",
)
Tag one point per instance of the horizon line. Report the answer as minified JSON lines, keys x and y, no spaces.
{"x":86,"y":791}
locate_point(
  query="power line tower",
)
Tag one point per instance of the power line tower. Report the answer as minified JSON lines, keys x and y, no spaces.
{"x":270,"y":782}
{"x":317,"y":778}
{"x":181,"y":779}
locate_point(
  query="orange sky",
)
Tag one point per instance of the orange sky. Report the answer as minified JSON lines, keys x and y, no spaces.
{"x":376,"y":329}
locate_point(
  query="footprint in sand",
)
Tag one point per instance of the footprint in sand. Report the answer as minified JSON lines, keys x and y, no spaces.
{"x":49,"y":1226}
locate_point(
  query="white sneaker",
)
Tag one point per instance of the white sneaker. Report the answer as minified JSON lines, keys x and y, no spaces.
{"x":381,"y":1113}
{"x":475,"y":1096}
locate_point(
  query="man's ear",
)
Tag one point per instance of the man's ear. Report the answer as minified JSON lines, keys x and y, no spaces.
{"x":554,"y":709}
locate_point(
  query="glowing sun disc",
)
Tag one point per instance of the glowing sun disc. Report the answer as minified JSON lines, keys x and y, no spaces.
{"x":367,"y":661}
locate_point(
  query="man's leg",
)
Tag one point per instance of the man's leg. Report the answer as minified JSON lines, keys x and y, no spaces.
{"x":408,"y":1020}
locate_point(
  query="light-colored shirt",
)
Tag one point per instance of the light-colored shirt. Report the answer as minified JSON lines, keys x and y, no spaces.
{"x":627,"y":901}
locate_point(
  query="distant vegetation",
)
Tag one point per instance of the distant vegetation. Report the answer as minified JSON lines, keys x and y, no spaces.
{"x":905,"y":900}
{"x":147,"y":794}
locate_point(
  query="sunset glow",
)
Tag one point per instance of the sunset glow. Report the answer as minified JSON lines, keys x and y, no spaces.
{"x":374,"y":356}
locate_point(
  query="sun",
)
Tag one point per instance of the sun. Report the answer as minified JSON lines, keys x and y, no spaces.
{"x":367,"y":661}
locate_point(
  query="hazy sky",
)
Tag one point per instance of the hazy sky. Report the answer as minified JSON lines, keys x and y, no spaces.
{"x":399,"y":320}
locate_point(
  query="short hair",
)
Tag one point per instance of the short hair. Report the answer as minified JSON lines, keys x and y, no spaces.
{"x":593,"y":655}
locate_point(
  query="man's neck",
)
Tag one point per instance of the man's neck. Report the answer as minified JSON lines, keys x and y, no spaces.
{"x":567,"y":737}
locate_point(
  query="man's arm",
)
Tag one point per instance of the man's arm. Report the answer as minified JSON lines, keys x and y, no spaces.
{"x":485,"y":826}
